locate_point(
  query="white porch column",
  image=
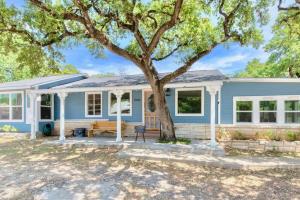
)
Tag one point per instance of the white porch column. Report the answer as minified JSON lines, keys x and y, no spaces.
{"x":36,"y":107}
{"x":119,"y":94}
{"x":213,"y":91}
{"x":33,"y":97}
{"x":62,"y":96}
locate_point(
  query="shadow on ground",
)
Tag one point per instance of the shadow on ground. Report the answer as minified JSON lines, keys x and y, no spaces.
{"x":31,"y":170}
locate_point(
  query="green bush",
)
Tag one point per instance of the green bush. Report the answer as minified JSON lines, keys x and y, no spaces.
{"x":292,"y":136}
{"x":8,"y":128}
{"x":178,"y":141}
{"x":269,"y":135}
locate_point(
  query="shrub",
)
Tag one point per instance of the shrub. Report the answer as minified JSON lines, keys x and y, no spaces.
{"x":292,"y":136}
{"x":238,"y":136}
{"x":178,"y":141}
{"x":8,"y":128}
{"x":269,"y":135}
{"x":223,"y":134}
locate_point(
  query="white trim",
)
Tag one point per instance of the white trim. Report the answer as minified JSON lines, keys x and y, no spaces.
{"x":280,"y":112}
{"x":109,"y":101}
{"x":86,"y":104}
{"x":267,"y":80}
{"x":52,"y":110}
{"x":219,"y":106}
{"x":10,"y":107}
{"x":189,"y":114}
{"x":61,"y":79}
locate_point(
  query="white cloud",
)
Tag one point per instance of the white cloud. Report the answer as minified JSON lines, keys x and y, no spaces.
{"x":221,"y":62}
{"x":116,"y":68}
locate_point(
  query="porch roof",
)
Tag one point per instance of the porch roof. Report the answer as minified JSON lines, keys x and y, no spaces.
{"x":36,"y":82}
{"x":139,"y":79}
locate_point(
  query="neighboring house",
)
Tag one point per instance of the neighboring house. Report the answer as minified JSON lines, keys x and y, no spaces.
{"x":199,"y":102}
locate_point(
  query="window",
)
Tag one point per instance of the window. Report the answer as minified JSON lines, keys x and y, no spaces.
{"x":292,"y":111}
{"x":46,"y":107}
{"x":244,"y":111}
{"x":93,"y":104}
{"x":125,"y":104}
{"x":268,"y":111}
{"x":189,"y":102}
{"x":11,"y":106}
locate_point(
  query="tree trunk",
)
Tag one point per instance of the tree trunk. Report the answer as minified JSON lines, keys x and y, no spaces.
{"x":167,"y":125}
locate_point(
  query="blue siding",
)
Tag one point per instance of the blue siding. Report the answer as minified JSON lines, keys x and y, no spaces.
{"x":61,"y":82}
{"x":75,"y":107}
{"x":231,"y":89}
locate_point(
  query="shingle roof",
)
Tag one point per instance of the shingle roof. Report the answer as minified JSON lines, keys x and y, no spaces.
{"x":30,"y":83}
{"x":130,"y":80}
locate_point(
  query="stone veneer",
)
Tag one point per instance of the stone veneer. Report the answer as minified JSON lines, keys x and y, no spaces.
{"x":261,"y":145}
{"x":187,"y":130}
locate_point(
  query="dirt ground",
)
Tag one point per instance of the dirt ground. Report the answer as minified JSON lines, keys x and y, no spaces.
{"x":29,"y":170}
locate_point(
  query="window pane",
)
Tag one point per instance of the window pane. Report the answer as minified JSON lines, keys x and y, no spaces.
{"x":4,"y":113}
{"x":268,"y":105}
{"x":113,"y":104}
{"x":45,"y":112}
{"x":125,"y":103}
{"x":244,"y":105}
{"x":94,"y":104}
{"x":267,"y":116}
{"x":16,"y":99}
{"x":293,"y":117}
{"x":244,"y":117}
{"x":46,"y":100}
{"x":292,"y":105}
{"x":189,"y":102}
{"x":4,"y":99}
{"x":16,"y":113}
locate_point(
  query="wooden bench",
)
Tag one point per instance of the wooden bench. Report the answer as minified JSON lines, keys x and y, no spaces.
{"x":105,"y":127}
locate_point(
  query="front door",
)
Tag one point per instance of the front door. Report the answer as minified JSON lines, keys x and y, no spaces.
{"x":152,"y":121}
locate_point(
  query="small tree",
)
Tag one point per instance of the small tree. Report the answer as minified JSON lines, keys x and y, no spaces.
{"x":144,"y":32}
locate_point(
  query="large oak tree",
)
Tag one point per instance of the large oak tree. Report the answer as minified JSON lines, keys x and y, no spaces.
{"x":143,"y":32}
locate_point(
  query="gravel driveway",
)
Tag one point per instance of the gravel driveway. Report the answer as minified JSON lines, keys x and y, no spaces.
{"x":29,"y":170}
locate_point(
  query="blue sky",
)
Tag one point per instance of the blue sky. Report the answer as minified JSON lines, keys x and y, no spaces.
{"x":229,"y":60}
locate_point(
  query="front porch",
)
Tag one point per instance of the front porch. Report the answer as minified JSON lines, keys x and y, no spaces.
{"x":78,"y":111}
{"x":196,"y":147}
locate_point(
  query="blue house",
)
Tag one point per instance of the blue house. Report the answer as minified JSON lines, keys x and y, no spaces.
{"x":200,"y":102}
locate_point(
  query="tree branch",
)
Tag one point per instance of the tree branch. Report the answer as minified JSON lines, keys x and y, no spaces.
{"x":166,"y":26}
{"x":170,"y":53}
{"x":103,"y":39}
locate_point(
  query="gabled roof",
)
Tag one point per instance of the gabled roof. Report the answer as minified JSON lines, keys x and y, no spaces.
{"x":36,"y":82}
{"x":139,"y":79}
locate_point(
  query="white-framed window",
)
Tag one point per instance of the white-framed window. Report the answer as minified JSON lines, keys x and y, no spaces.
{"x":11,"y":106}
{"x":268,"y":111}
{"x":189,"y":102}
{"x":126,"y":104}
{"x":46,"y":107}
{"x":292,"y":111}
{"x":93,"y":104}
{"x":244,"y":111}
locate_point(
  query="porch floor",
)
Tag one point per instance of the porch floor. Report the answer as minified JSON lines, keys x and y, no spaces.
{"x":197,"y":146}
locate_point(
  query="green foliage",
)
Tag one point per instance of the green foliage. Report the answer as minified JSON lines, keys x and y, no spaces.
{"x":292,"y":136}
{"x":200,"y":26}
{"x":284,"y":49}
{"x":8,"y":128}
{"x":177,"y":141}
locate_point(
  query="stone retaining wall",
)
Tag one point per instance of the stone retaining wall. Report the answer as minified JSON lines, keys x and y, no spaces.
{"x":281,"y":146}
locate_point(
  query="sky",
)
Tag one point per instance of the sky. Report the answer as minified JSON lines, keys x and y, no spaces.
{"x":229,"y":60}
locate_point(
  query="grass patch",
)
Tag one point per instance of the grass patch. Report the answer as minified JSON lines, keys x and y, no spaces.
{"x":178,"y":141}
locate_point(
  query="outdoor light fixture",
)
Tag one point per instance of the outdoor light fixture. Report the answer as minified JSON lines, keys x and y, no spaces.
{"x":168,"y":92}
